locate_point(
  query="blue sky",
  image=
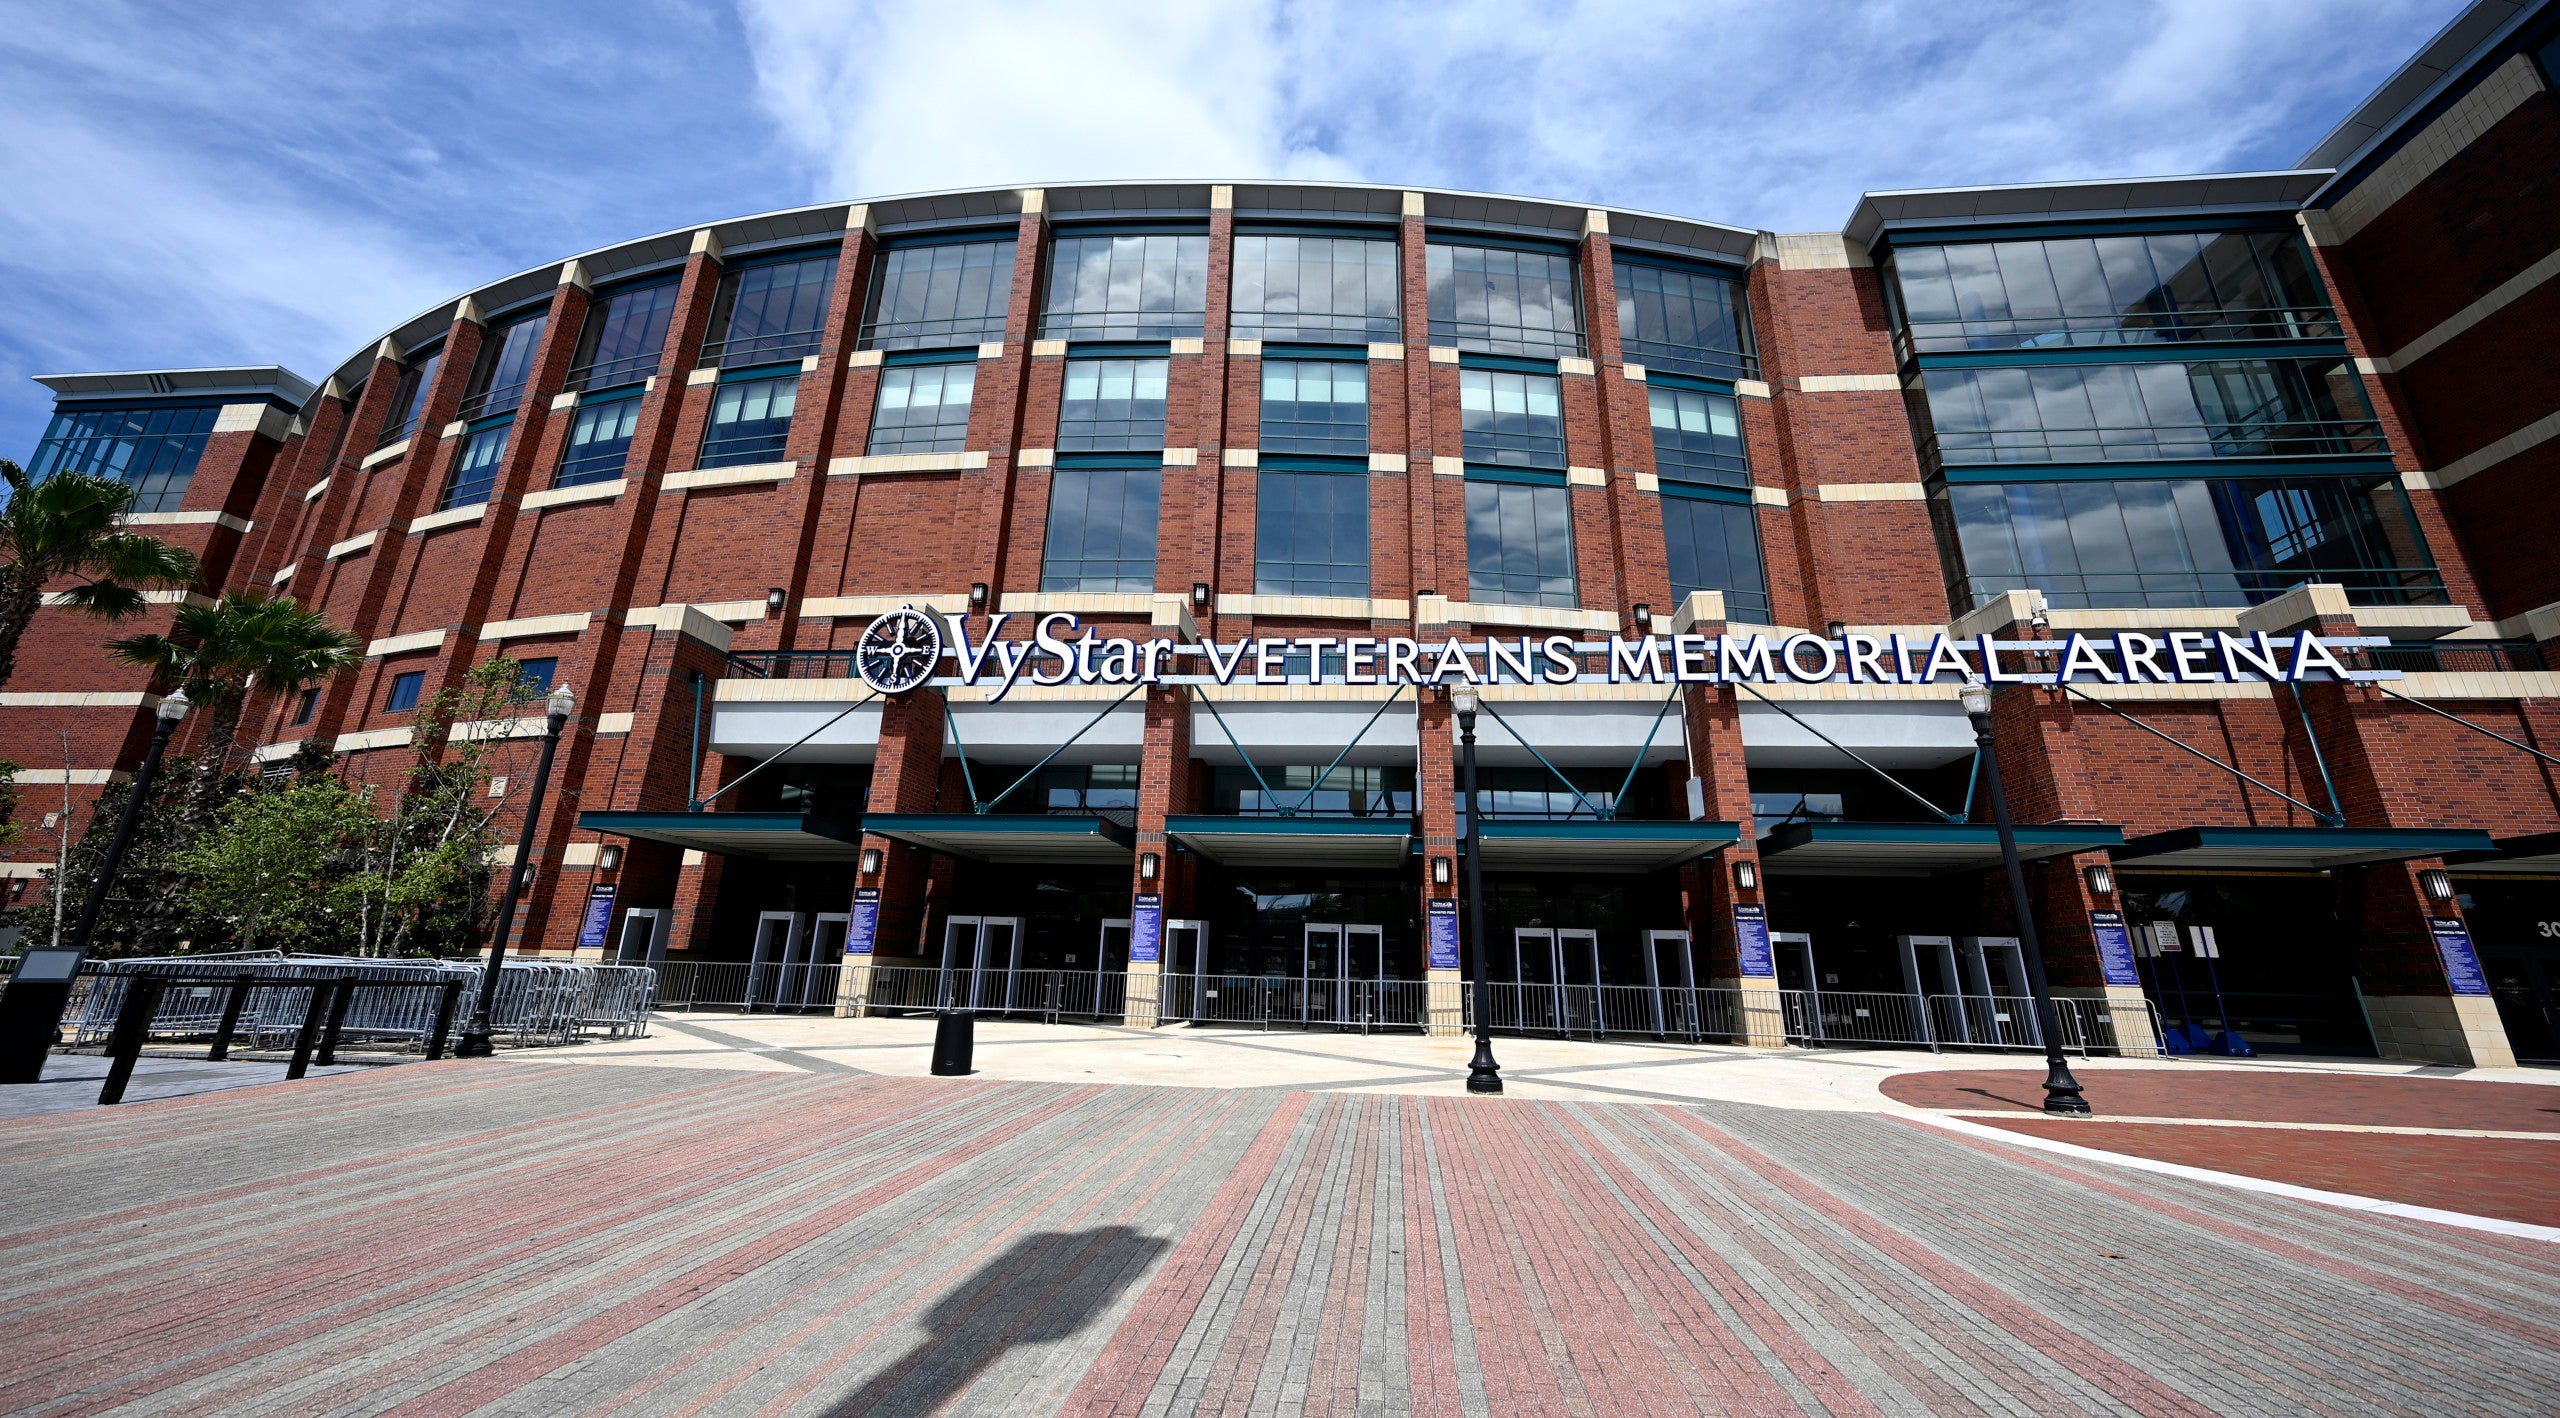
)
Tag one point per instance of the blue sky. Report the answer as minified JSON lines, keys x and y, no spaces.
{"x":194,"y":184}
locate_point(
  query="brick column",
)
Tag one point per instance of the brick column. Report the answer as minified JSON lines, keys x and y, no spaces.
{"x":1167,"y":785}
{"x":905,"y":777}
{"x":1711,"y":717}
{"x":1435,"y":792}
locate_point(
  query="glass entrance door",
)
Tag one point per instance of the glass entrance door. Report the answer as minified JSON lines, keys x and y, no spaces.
{"x":1559,"y":979}
{"x":979,"y":957}
{"x":1672,"y":973}
{"x":778,"y":945}
{"x":1321,"y":974}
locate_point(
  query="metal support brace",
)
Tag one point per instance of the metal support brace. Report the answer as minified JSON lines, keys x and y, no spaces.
{"x":777,"y":758}
{"x":2324,"y":819}
{"x":1647,"y":746}
{"x":2466,"y":723}
{"x":2337,"y":814}
{"x":982,"y":808}
{"x":1907,"y":790}
{"x":1602,"y":813}
{"x":1318,"y":784}
{"x":1201,"y":693}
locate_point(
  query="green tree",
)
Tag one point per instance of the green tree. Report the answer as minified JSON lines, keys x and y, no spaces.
{"x":67,"y":526}
{"x":279,"y":868}
{"x":424,"y":889}
{"x":150,"y":910}
{"x":222,"y":652}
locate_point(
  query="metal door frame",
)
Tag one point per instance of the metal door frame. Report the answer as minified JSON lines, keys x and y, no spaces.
{"x":1102,"y":951}
{"x":1812,"y":977}
{"x":1307,"y":967}
{"x":977,"y":966}
{"x":1352,"y":930}
{"x":654,"y":951}
{"x":818,"y":924}
{"x":758,"y":957}
{"x":1688,"y":986}
{"x":1565,"y":936}
{"x":1199,"y":958}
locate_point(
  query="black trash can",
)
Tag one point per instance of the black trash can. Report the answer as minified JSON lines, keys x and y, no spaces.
{"x":954,"y":1033}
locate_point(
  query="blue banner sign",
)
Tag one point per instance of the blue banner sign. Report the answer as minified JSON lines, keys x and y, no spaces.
{"x":599,"y":916}
{"x":864,"y":929}
{"x":2461,"y":962}
{"x":2115,"y":947}
{"x":1751,"y":941}
{"x":1146,"y":929}
{"x":1444,"y":935}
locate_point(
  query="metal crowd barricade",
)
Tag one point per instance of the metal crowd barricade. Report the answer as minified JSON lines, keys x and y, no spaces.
{"x":539,"y":1002}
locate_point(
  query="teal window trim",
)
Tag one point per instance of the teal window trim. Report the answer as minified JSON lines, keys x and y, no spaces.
{"x":1313,"y":463}
{"x":1512,"y":364}
{"x":1688,"y":381}
{"x":480,"y":426}
{"x":775,"y":258}
{"x":1119,"y":349}
{"x":965,"y":354}
{"x":2205,"y":469}
{"x":2033,"y":231}
{"x":614,"y":395}
{"x":778,"y":370}
{"x":1563,"y":246}
{"x":963,"y":236}
{"x":1134,"y":461}
{"x":2180,"y":352}
{"x":1707,"y":492}
{"x":1525,"y":477}
{"x":1343,"y":354}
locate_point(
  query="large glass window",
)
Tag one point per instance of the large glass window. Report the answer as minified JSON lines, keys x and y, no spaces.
{"x":154,"y":450}
{"x":1503,"y":302}
{"x":1315,"y":288}
{"x":1715,"y":546}
{"x":750,"y":421}
{"x":409,"y":397}
{"x":625,"y":334}
{"x":1112,"y":405}
{"x":764,"y":314}
{"x":504,"y":368}
{"x":938,"y":296}
{"x":2186,"y":541}
{"x":1102,"y":530}
{"x":1345,"y":791}
{"x":1697,"y":436}
{"x":1519,"y":544}
{"x":923,"y":408}
{"x":2109,"y":290}
{"x":2083,"y":413}
{"x":599,"y":441}
{"x":1684,"y":321}
{"x":405,"y":688}
{"x":1512,"y":418}
{"x":475,"y":473}
{"x":1311,"y":534}
{"x":1315,"y":406}
{"x":1127,"y":288}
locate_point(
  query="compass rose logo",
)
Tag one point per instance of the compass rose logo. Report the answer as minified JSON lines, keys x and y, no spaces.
{"x":899,"y":651}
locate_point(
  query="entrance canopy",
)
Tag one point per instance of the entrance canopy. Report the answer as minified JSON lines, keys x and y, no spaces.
{"x":2537,"y":855}
{"x":1295,"y":841}
{"x":1918,"y":848}
{"x":775,"y":836}
{"x":1589,"y":846}
{"x":1009,"y":837}
{"x":2295,"y":848}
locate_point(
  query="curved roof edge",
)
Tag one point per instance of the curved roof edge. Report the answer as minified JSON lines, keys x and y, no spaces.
{"x":266,"y":381}
{"x":2095,"y":199}
{"x":2418,"y":82}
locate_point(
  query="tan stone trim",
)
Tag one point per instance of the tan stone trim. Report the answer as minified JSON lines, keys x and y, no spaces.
{"x":1079,"y":603}
{"x":71,"y":777}
{"x":1241,"y":458}
{"x":568,"y":400}
{"x":991,"y":349}
{"x":2474,"y":114}
{"x":2480,"y":460}
{"x":616,"y":723}
{"x":312,"y":493}
{"x":883,"y":464}
{"x":1440,"y":610}
{"x":1244,"y":348}
{"x":1871,"y":492}
{"x":1808,"y":251}
{"x":372,"y":738}
{"x":864,"y":607}
{"x":1442,"y":467}
{"x":264,"y":419}
{"x":1850,"y":384}
{"x":1385,"y":349}
{"x":1648,"y":482}
{"x":1444,"y":354}
{"x":1036,"y":458}
{"x":352,"y":545}
{"x":285,"y":575}
{"x":1585,"y":477}
{"x":707,"y":375}
{"x":1764,"y":495}
{"x":1314,"y":607}
{"x":183,"y":519}
{"x":1182,"y":457}
{"x":403,"y":644}
{"x":1751,"y":388}
{"x":583,"y":492}
{"x":1187,"y":345}
{"x":1635,"y":373}
{"x":2511,"y":290}
{"x":1048,"y":349}
{"x":92,"y":699}
{"x":1573,"y":364}
{"x":384,"y":454}
{"x":571,"y":623}
{"x":1386,"y":463}
{"x":450,"y":517}
{"x":731,"y":477}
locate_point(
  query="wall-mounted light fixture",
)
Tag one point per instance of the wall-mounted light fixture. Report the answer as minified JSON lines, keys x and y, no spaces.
{"x":609,"y":856}
{"x":1439,"y":871}
{"x":2101,"y":879}
{"x":1200,"y":595}
{"x":775,"y":598}
{"x":870,"y":861}
{"x":1644,"y":618}
{"x":977,"y":595}
{"x":2437,"y":885}
{"x":2040,"y":616}
{"x":1746,"y":875}
{"x":1148,"y":865}
{"x":1839,"y":628}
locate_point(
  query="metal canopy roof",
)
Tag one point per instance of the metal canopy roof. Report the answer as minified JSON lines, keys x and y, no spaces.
{"x":1008,"y":837}
{"x":2296,"y":848}
{"x":2538,"y":854}
{"x":1612,"y":846}
{"x":778,"y":836}
{"x":1918,"y":848}
{"x":1295,"y":841}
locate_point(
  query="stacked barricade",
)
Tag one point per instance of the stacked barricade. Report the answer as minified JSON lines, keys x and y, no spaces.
{"x":539,"y":1002}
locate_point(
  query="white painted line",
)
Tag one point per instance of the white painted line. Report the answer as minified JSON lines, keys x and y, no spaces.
{"x":2343,"y":1200}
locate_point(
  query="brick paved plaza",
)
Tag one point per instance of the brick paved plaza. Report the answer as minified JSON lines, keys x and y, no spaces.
{"x":773,"y":1227}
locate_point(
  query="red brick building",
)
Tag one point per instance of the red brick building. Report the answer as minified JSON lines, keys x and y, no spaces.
{"x":684,"y":475}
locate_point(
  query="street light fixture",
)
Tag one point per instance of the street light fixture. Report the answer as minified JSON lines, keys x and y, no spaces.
{"x":476,"y":1042}
{"x":1483,"y":1074}
{"x":2061,"y":1090}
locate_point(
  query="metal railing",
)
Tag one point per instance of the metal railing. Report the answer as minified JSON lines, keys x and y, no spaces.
{"x":790,"y":664}
{"x":539,"y":1003}
{"x":322,"y":1026}
{"x":2241,"y":438}
{"x":2458,"y":656}
{"x":2148,"y":327}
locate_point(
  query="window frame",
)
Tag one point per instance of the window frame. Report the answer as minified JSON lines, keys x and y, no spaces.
{"x":712,"y":455}
{"x":1742,"y":362}
{"x":76,"y":439}
{"x":409,"y":683}
{"x":1091,"y":434}
{"x":947,"y":435}
{"x":1350,"y":483}
{"x":721,"y":348}
{"x":1059,"y":321}
{"x":1490,"y":445}
{"x":1295,"y":360}
{"x":622,"y":402}
{"x":1452,"y":331}
{"x":1078,"y":472}
{"x":1363,"y":329}
{"x":1538,"y":494}
{"x":879,"y":334}
{"x":587,"y":372}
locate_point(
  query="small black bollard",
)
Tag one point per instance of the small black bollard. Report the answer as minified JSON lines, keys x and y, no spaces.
{"x":954,"y":1035}
{"x":308,"y":1036}
{"x":133,"y":1026}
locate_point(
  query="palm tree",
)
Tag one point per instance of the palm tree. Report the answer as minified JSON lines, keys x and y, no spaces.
{"x":222,"y":651}
{"x":64,"y":526}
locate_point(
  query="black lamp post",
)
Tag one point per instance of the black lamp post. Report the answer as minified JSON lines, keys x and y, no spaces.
{"x":2061,"y":1090}
{"x":475,"y":1042}
{"x":171,"y":710}
{"x":1483,"y":1074}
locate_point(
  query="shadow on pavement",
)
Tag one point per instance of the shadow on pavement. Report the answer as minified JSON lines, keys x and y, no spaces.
{"x":1045,"y":1287}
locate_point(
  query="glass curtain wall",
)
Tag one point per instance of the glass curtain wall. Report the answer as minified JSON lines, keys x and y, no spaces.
{"x":769,"y":313}
{"x":409,"y":397}
{"x":1315,"y":406}
{"x":154,"y":450}
{"x":1319,"y":289}
{"x":1511,"y":418}
{"x":1311,"y":534}
{"x":1102,"y":530}
{"x":929,"y":297}
{"x":504,"y":368}
{"x":624,"y":337}
{"x":600,"y":438}
{"x":1498,"y":301}
{"x":1519,"y":544}
{"x":1688,"y":322}
{"x":923,"y":408}
{"x":750,"y":421}
{"x":1112,"y":405}
{"x":1715,"y":546}
{"x":2109,"y":290}
{"x":1697,"y":436}
{"x":1127,"y":287}
{"x":2061,"y":413}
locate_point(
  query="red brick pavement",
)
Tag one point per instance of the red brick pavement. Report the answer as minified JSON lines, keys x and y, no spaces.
{"x":2251,"y":1096}
{"x":2508,"y":1178}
